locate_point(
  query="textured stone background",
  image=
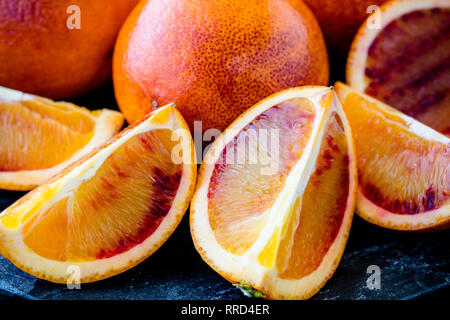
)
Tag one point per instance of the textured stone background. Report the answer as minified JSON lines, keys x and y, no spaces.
{"x":412,"y":264}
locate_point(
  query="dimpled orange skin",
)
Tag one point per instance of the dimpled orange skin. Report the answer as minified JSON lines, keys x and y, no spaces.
{"x":39,"y":54}
{"x":340,"y":20}
{"x":214,"y":59}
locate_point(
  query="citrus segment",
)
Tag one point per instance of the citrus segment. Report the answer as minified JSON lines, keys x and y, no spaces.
{"x":145,"y":189}
{"x":406,"y":62}
{"x":238,"y":194}
{"x":404,"y":166}
{"x":40,"y":137}
{"x":281,"y":231}
{"x":319,"y":221}
{"x":47,"y":136}
{"x":110,"y":210}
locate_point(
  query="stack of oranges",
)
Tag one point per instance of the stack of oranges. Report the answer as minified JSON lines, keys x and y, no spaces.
{"x":272,"y":205}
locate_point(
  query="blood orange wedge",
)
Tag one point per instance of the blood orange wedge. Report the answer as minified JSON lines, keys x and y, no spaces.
{"x":405,"y":60}
{"x":403,"y":165}
{"x":275,"y":195}
{"x":110,"y":210}
{"x":39,"y":137}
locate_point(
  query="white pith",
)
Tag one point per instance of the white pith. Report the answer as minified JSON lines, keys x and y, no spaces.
{"x":106,"y":125}
{"x":246,"y":268}
{"x":11,"y":241}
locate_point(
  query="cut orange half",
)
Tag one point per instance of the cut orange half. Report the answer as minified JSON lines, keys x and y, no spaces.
{"x":401,"y":56}
{"x":110,"y":210}
{"x":275,"y":195}
{"x":403,"y":165}
{"x":39,"y":137}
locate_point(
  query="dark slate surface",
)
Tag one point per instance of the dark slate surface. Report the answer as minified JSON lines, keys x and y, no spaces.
{"x":412,"y":264}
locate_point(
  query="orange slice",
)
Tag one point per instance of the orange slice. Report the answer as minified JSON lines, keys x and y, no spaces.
{"x":404,"y":61}
{"x":275,"y":195}
{"x":403,"y":165}
{"x":109,"y":211}
{"x":41,"y":137}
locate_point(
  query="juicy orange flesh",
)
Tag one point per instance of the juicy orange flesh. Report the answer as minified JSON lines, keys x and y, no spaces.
{"x":314,"y":227}
{"x":38,"y":135}
{"x":118,"y":208}
{"x":398,"y":171}
{"x":409,"y":66}
{"x":240,"y":192}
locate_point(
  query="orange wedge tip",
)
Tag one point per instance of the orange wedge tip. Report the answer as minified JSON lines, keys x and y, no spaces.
{"x":41,"y":137}
{"x":403,"y":166}
{"x":275,"y":195}
{"x":108,"y":211}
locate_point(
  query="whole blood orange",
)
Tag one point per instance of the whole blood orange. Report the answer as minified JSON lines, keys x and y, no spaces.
{"x":214,"y":59}
{"x":340,"y":19}
{"x":58,"y":48}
